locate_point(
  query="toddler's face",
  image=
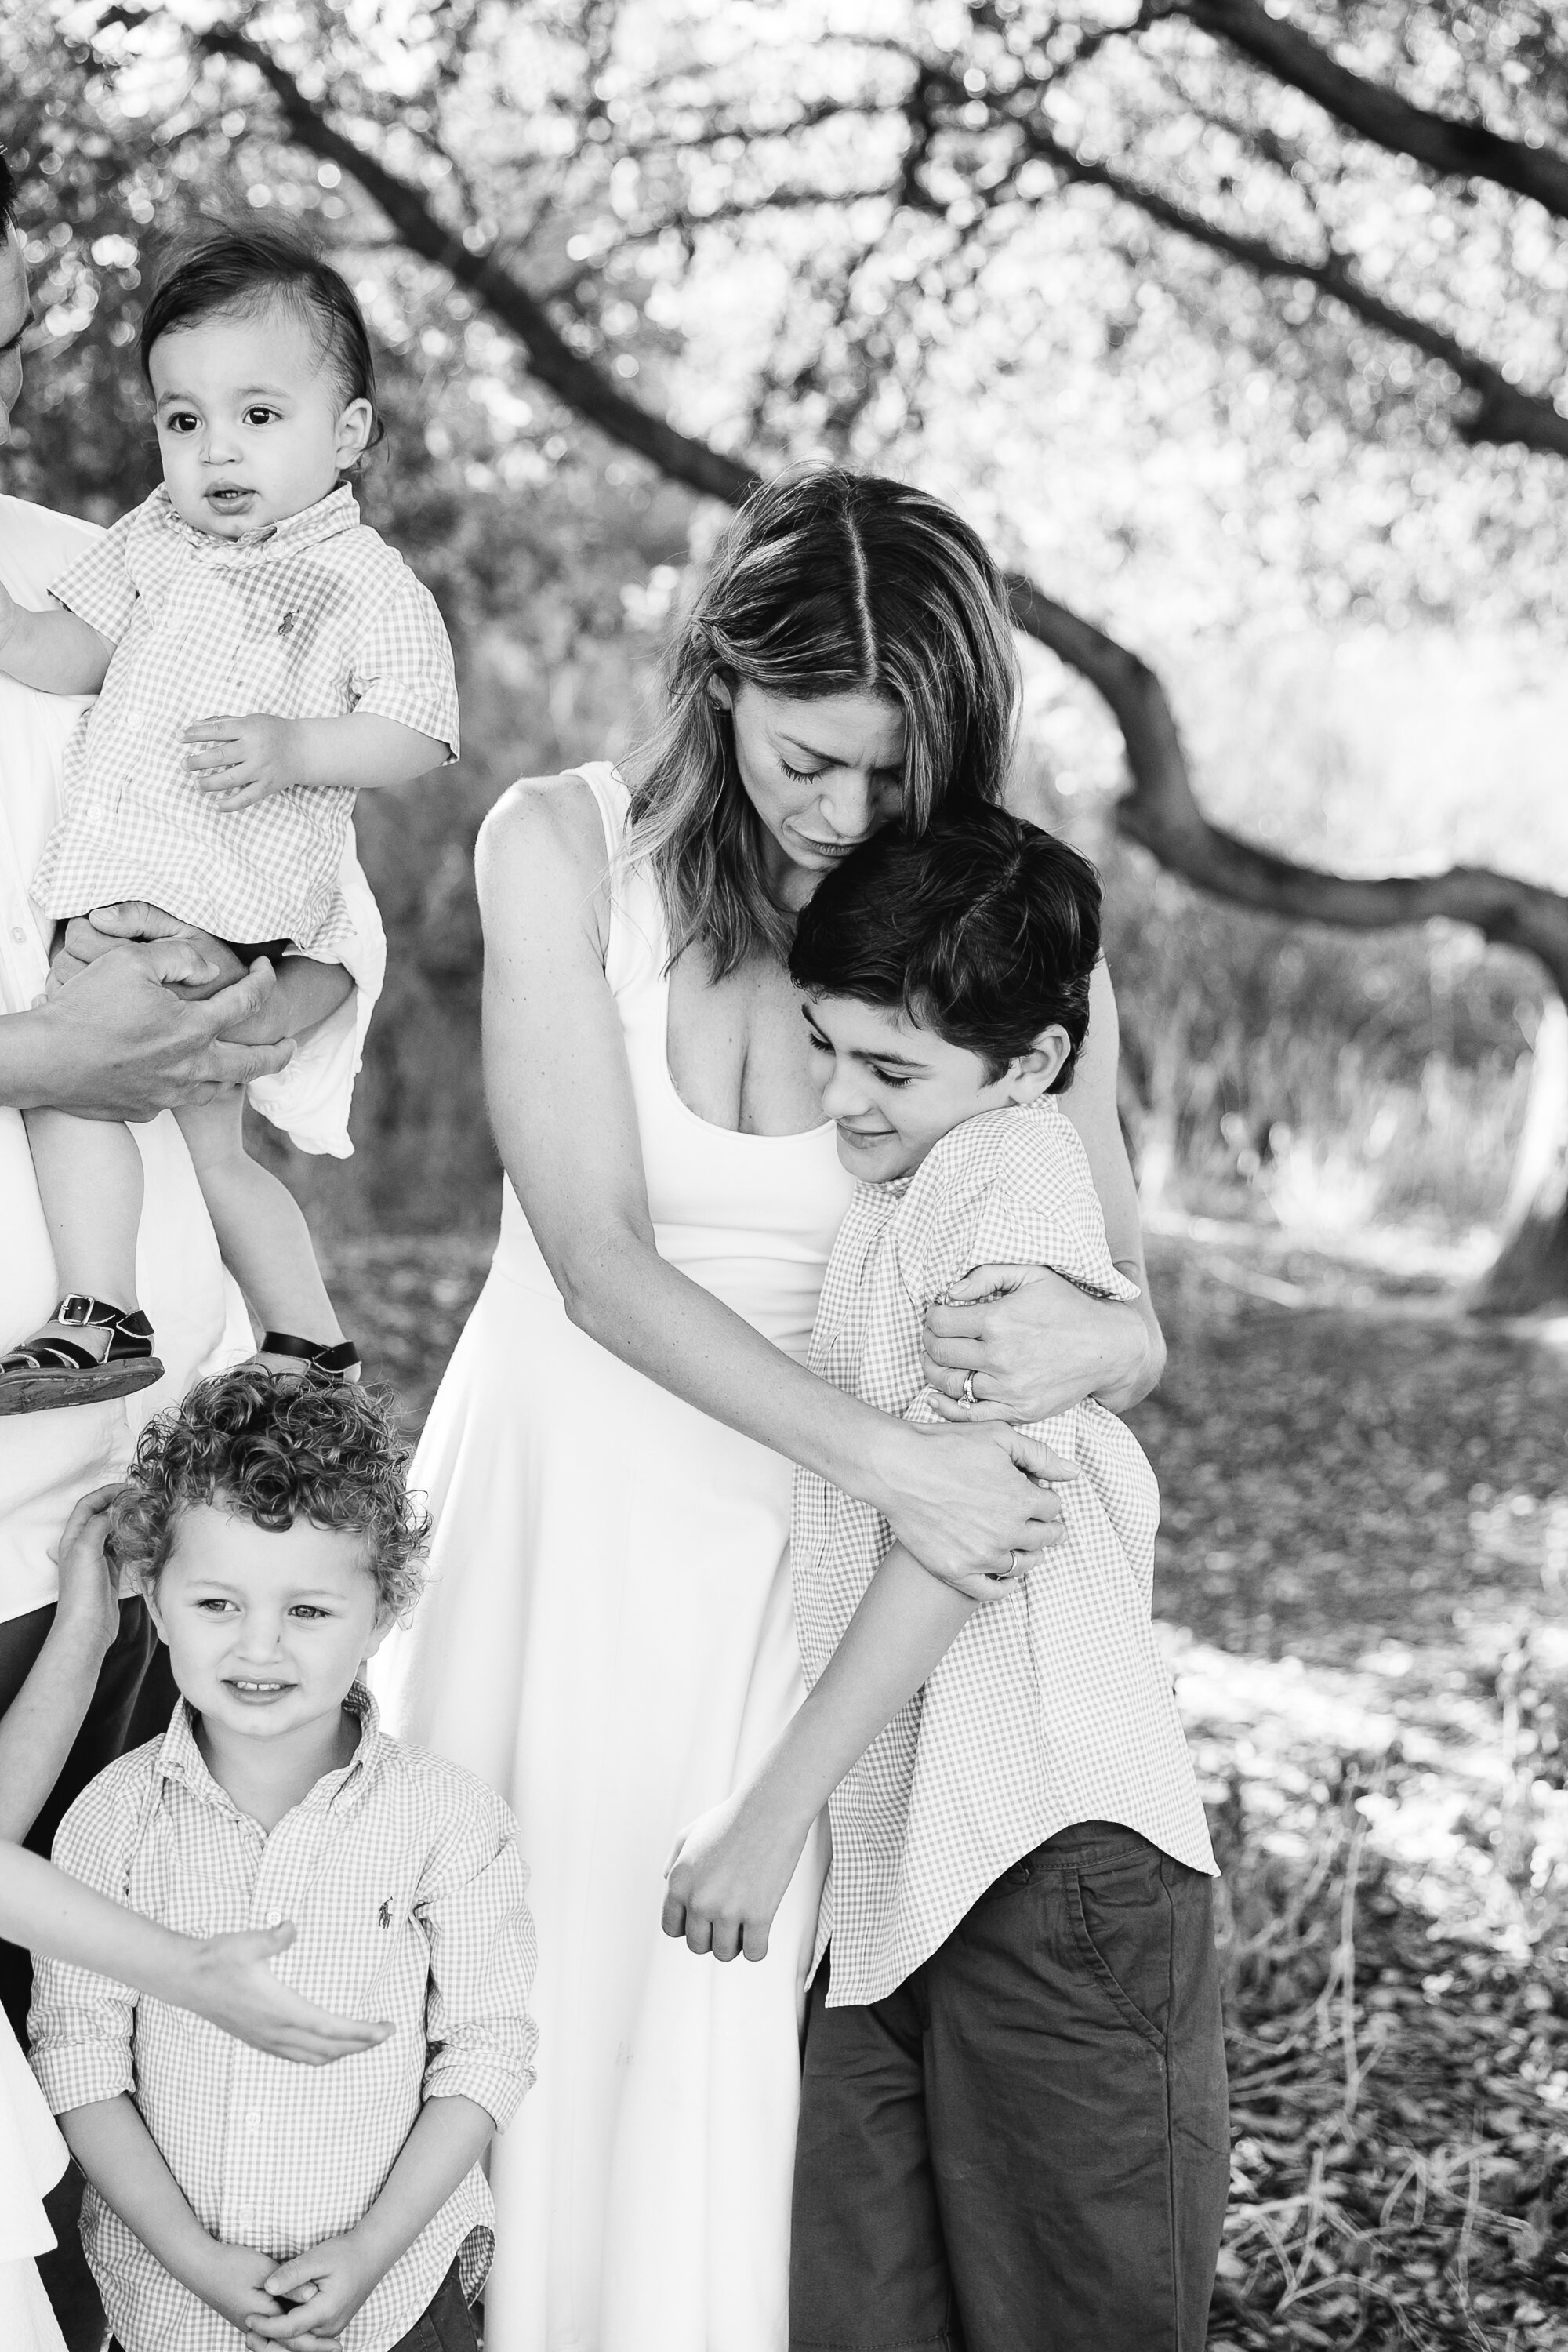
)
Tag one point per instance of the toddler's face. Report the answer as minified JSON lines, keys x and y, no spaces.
{"x":893,"y":1091}
{"x":265,"y":1632}
{"x":249,"y":423}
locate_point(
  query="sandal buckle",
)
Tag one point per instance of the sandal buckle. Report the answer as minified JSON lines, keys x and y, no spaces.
{"x":76,"y":1307}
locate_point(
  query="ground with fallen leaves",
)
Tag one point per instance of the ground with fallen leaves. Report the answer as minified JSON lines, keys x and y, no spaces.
{"x":1363,"y":1585}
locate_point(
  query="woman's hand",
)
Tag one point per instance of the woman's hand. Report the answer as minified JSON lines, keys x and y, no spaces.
{"x":966,"y":1501}
{"x":226,"y":1979}
{"x":88,"y":937}
{"x":89,"y":1604}
{"x":1036,"y":1344}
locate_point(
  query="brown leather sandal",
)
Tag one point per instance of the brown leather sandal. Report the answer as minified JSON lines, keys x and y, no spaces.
{"x":45,"y":1373}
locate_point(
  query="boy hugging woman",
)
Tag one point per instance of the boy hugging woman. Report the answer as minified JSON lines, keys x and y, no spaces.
{"x":259,"y":657}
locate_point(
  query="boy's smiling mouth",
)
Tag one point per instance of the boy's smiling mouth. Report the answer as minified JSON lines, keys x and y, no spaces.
{"x":247,"y":1689}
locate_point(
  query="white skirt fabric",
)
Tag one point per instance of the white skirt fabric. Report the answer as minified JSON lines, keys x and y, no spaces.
{"x":609,"y":1642}
{"x":32,"y":2158}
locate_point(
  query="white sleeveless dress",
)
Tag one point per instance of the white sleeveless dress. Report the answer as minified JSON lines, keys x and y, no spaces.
{"x":609,"y":1641}
{"x":32,"y":2158}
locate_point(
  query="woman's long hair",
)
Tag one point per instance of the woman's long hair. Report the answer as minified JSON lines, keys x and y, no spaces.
{"x":827,"y":582}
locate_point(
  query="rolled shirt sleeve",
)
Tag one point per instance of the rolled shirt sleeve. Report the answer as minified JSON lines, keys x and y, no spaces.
{"x":483,"y":1953}
{"x":402,"y":666}
{"x":98,"y":587}
{"x":80,"y":2024}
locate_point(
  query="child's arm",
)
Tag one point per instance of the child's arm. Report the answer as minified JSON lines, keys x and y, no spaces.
{"x":47,"y":1713}
{"x":446,"y":2142}
{"x":122,"y":2160}
{"x":242,"y":760}
{"x":53,"y":651}
{"x":730,"y":1868}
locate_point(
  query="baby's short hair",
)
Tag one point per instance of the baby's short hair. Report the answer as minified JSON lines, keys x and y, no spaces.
{"x":244,"y":265}
{"x":273,"y":1448}
{"x":982,"y":928}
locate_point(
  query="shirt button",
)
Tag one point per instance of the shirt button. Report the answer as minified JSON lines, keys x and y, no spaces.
{"x":253,"y":2119}
{"x":18,"y":933}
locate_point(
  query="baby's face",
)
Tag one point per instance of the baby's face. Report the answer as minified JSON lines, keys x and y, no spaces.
{"x":893,"y":1091}
{"x":250,"y":426}
{"x":266,"y":1630}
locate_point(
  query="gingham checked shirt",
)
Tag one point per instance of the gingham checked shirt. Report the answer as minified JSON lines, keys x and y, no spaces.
{"x":312,"y":617}
{"x":403,"y":1874}
{"x":1053,"y":1706}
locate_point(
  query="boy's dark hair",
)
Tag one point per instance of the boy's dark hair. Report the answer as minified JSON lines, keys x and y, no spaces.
{"x":244,"y":265}
{"x":982,"y":928}
{"x":7,"y":191}
{"x":272,"y":1447}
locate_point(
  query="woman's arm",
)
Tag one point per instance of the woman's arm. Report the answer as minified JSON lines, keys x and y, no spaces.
{"x":43,"y":1719}
{"x":561,"y":1102}
{"x":1036,"y":1345}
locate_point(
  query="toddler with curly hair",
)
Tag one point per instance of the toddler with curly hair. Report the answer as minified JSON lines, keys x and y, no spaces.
{"x":270,"y":1525}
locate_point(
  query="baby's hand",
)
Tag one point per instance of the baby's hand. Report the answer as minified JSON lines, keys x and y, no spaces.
{"x":324,"y":2287}
{"x":243,"y":760}
{"x":728,"y":1876}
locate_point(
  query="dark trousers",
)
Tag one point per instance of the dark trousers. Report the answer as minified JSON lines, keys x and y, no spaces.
{"x":446,"y":2324}
{"x":1023,"y":2149}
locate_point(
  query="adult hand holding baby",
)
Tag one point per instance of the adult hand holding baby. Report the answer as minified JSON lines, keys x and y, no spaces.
{"x":120,"y":1042}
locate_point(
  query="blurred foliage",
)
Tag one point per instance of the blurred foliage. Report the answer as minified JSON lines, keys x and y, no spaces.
{"x":800,"y":229}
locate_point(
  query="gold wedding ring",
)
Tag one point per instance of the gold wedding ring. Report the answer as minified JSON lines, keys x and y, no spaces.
{"x":970,"y":1399}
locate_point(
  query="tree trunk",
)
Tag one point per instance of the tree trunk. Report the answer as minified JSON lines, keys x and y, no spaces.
{"x":1532,"y":1268}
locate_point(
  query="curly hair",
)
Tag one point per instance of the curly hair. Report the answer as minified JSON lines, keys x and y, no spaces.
{"x":271,"y":1447}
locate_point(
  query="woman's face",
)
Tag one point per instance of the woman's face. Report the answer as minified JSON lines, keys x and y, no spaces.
{"x":821,"y":775}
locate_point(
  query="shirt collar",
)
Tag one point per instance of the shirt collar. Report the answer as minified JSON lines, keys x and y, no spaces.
{"x":180,"y":1759}
{"x":338,"y":511}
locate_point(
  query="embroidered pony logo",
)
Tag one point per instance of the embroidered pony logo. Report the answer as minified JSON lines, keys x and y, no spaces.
{"x":285,"y":624}
{"x":383,"y":1917}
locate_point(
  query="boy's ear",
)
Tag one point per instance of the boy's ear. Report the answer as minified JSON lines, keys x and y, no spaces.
{"x":148,"y":1588}
{"x":385,"y":1619}
{"x":1033,"y":1073}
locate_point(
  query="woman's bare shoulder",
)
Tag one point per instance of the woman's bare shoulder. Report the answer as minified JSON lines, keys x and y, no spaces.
{"x":542,"y":832}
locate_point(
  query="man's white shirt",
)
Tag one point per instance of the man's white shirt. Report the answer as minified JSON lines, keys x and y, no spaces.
{"x":48,"y":1459}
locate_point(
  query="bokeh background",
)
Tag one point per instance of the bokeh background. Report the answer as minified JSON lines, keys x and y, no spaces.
{"x":1237,"y":327}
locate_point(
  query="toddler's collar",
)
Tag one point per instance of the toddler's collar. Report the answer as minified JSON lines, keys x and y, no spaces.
{"x":339,"y":511}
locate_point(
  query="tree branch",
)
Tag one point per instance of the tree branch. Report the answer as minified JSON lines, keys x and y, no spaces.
{"x":1503,"y":411}
{"x":1160,"y":812}
{"x":575,"y":379}
{"x":1159,"y":809}
{"x":1466,"y":151}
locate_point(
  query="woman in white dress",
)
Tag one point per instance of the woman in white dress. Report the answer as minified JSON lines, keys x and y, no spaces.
{"x":608,"y":1638}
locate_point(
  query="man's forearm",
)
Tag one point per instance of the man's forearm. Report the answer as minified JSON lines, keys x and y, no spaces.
{"x":30,"y":1061}
{"x":53,"y":651}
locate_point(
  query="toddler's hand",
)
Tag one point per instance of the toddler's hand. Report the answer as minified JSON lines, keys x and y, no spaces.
{"x":233,"y":2283}
{"x":243,"y":760}
{"x":324,"y":2287}
{"x":726,"y":1877}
